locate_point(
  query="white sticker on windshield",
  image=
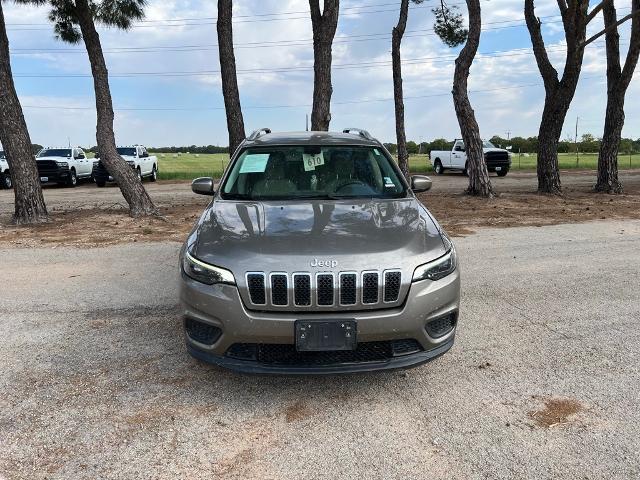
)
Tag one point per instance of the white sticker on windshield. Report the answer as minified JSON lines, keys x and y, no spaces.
{"x":254,"y":163}
{"x":375,"y":150}
{"x":388,"y":182}
{"x":312,"y":160}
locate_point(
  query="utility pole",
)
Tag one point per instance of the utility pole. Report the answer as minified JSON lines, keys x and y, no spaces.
{"x":508,"y":135}
{"x":307,"y":124}
{"x":577,"y":153}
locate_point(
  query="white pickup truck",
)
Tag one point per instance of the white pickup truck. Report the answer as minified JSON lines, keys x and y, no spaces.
{"x":497,"y":159}
{"x":145,"y":165}
{"x":64,"y":166}
{"x":5,"y":176}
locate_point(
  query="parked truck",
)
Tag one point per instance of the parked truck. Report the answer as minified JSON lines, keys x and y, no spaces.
{"x":5,"y":175}
{"x":145,"y":165}
{"x":498,"y":160}
{"x":64,"y":166}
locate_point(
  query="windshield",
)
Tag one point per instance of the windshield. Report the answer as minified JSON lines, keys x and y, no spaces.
{"x":291,"y":172}
{"x":56,"y":152}
{"x":127,"y":151}
{"x":2,"y":155}
{"x":486,"y":144}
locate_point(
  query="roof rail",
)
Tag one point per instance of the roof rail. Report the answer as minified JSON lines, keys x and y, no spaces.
{"x":358,"y":131}
{"x":258,"y":133}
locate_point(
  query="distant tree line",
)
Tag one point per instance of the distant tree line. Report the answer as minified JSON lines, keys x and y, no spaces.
{"x":186,"y":149}
{"x":587,"y":144}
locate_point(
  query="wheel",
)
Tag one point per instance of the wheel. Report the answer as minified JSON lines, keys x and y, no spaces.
{"x":73,"y":179}
{"x":139,"y":172}
{"x":6,"y":181}
{"x":503,"y":172}
{"x":154,"y":174}
{"x":438,"y":168}
{"x":465,"y":172}
{"x":100,"y":183}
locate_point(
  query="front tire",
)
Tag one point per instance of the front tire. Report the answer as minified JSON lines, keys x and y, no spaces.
{"x":438,"y":168}
{"x":6,"y":181}
{"x":100,"y":183}
{"x":139,"y":172}
{"x":154,"y":174}
{"x":465,"y":172}
{"x":503,"y":173}
{"x":73,"y":179}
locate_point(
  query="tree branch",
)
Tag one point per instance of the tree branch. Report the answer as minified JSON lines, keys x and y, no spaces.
{"x":609,"y":28}
{"x":597,"y":10}
{"x":634,"y":47}
{"x":548,"y":72}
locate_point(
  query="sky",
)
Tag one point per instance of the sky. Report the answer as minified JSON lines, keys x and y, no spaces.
{"x":166,"y":86}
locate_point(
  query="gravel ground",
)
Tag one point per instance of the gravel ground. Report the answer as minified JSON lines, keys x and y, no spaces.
{"x":542,"y":382}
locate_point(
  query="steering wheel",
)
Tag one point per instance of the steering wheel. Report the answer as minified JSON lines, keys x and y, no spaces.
{"x":346,"y":183}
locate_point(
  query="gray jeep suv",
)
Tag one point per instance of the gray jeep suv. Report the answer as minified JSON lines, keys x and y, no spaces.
{"x":314,"y":256}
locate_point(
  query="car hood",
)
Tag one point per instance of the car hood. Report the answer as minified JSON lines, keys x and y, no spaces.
{"x":494,"y":150}
{"x":55,"y":159}
{"x":352,"y":235}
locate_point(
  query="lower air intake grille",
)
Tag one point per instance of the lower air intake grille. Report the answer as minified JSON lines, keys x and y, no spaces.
{"x":325,"y":289}
{"x":391,"y":286}
{"x":370,"y":288}
{"x":279,"y":295}
{"x":202,"y":332}
{"x":287,"y":355}
{"x":443,"y":325}
{"x":255,"y":282}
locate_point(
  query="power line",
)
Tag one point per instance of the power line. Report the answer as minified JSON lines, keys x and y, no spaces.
{"x":301,"y":68}
{"x":268,"y":107}
{"x":346,"y":38}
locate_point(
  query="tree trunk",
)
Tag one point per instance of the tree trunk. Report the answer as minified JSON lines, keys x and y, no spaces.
{"x":29,"y":201}
{"x":549,"y":134}
{"x":559,"y":93}
{"x":617,"y":83}
{"x":608,"y":156}
{"x":324,"y":29}
{"x":479,"y":182}
{"x":396,"y":41}
{"x":235,"y":122}
{"x":140,"y":203}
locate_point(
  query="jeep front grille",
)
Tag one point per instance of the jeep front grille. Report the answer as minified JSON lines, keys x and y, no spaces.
{"x":303,"y":290}
{"x":255,"y":283}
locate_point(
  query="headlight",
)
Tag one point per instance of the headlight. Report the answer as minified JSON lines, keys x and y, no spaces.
{"x":205,"y":273}
{"x":95,"y":164}
{"x":437,"y":269}
{"x":62,"y":164}
{"x":131,"y":162}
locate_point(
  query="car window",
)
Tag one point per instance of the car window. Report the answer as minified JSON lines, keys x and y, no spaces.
{"x":2,"y":155}
{"x":487,"y":144}
{"x":291,"y":172}
{"x":127,"y":151}
{"x":459,"y":145}
{"x":55,"y":152}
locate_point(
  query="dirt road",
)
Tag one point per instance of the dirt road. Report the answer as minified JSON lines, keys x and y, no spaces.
{"x":542,"y":381}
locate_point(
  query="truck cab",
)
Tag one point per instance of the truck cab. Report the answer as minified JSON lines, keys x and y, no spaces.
{"x":497,"y":159}
{"x":138,"y":158}
{"x":64,"y":166}
{"x":5,"y":175}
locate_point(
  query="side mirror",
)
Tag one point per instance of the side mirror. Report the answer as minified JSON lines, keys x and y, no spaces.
{"x":420,"y":183}
{"x":203,"y":186}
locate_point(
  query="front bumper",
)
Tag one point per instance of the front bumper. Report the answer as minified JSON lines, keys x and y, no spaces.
{"x":59,"y":175}
{"x":221,"y":306}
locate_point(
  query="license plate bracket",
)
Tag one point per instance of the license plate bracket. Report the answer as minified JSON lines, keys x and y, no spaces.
{"x":325,"y":335}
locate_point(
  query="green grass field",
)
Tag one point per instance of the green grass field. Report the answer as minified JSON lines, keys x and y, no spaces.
{"x":189,"y":166}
